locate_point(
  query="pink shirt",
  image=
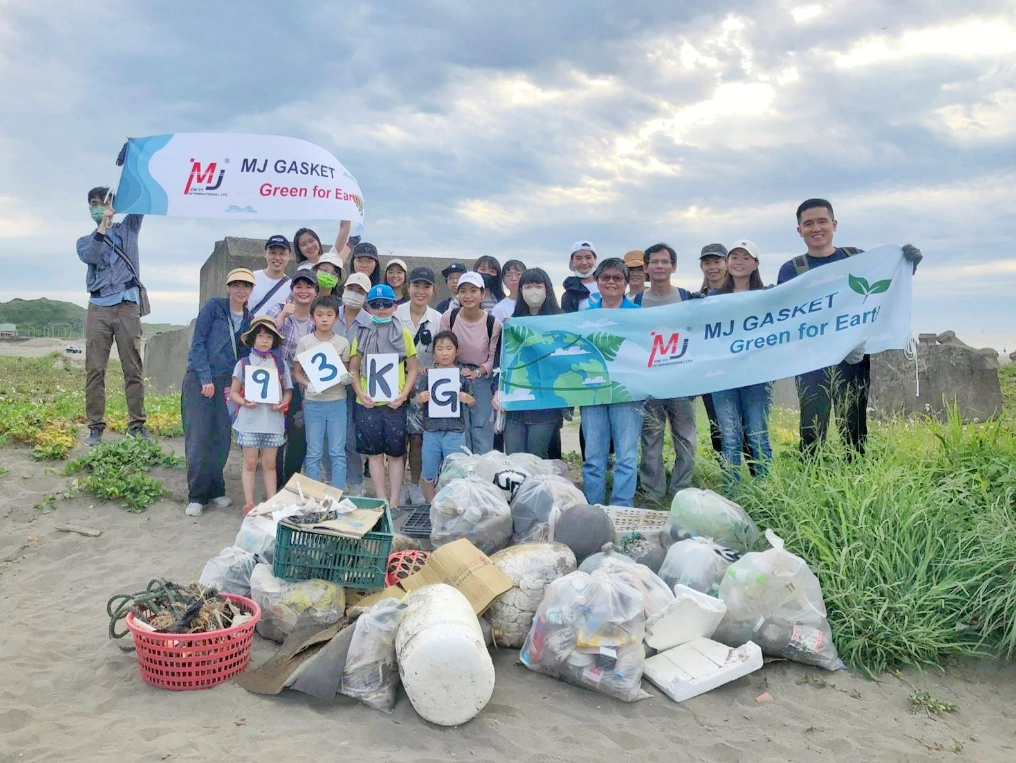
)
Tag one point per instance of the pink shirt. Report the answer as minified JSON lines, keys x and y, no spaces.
{"x":474,"y":347}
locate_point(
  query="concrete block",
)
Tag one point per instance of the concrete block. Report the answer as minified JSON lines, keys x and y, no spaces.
{"x":165,"y":359}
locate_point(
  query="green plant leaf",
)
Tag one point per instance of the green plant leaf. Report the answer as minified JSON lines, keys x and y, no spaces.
{"x":515,"y":337}
{"x":880,"y":287}
{"x":858,"y":284}
{"x":619,"y":393}
{"x":608,"y":344}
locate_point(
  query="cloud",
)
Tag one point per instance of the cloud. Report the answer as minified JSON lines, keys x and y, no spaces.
{"x":516,"y":395}
{"x":595,"y":380}
{"x":573,"y":350}
{"x":601,"y":323}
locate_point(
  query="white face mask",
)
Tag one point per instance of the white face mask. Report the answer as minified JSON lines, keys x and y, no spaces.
{"x":583,"y":274}
{"x":534,"y":296}
{"x":352,"y":299}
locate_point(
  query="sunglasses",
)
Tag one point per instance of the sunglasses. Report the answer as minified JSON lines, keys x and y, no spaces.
{"x":382,"y":304}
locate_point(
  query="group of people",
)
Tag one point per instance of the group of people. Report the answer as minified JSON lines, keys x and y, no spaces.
{"x":346,"y":298}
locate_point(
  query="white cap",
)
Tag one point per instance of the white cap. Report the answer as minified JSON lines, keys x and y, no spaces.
{"x":332,"y":259}
{"x":400,"y":263}
{"x":471,"y":277}
{"x":749,"y":246}
{"x":580,"y":245}
{"x":359,"y":279}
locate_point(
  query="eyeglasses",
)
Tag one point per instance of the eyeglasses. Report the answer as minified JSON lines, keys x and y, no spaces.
{"x":616,"y":278}
{"x":382,"y":304}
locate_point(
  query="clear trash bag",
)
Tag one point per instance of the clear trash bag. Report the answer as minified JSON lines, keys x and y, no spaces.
{"x":284,"y":604}
{"x":456,"y":466}
{"x":588,"y":631}
{"x":471,"y":508}
{"x":698,"y":563}
{"x":229,"y":572}
{"x":538,"y":505}
{"x":609,"y":551}
{"x":370,"y":674}
{"x":710,"y":515}
{"x":656,"y":595}
{"x":775,"y":600}
{"x":535,"y":465}
{"x":257,"y":536}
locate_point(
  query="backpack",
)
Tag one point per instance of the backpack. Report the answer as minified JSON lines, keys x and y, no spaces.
{"x":801,"y":264}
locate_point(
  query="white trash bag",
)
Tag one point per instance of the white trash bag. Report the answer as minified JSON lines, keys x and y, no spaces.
{"x":588,"y":631}
{"x":538,"y":505}
{"x":710,"y":515}
{"x":284,"y":604}
{"x":370,"y":674}
{"x":257,"y":536}
{"x":775,"y":600}
{"x":471,"y":508}
{"x":531,"y":567}
{"x":697,"y":563}
{"x":229,"y":572}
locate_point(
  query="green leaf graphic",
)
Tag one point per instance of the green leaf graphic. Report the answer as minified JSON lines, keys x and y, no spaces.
{"x":515,"y":337}
{"x":858,"y":284}
{"x":880,"y":287}
{"x":619,"y":393}
{"x":607,"y":344}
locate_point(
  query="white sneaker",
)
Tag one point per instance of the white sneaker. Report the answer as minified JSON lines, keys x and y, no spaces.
{"x":416,"y":495}
{"x":355,"y":491}
{"x":194,"y":510}
{"x":222,"y":502}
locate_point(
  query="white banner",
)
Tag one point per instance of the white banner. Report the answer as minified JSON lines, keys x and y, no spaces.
{"x":245,"y":177}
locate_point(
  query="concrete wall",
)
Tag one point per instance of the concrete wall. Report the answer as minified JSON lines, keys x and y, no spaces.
{"x":165,"y":359}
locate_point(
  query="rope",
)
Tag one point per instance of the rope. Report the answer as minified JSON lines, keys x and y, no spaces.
{"x":910,"y":353}
{"x":160,"y":594}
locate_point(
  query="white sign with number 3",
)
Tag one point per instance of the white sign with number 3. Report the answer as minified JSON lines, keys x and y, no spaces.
{"x":322,"y":365}
{"x":261,"y":384}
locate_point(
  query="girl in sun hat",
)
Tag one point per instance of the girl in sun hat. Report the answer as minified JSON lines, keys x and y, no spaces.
{"x":743,"y":413}
{"x":260,"y":427}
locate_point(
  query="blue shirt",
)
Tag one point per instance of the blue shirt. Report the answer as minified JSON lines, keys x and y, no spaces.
{"x":788,"y":271}
{"x":596,"y":303}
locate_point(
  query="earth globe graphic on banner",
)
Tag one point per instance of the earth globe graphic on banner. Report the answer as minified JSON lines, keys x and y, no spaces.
{"x":558,"y":369}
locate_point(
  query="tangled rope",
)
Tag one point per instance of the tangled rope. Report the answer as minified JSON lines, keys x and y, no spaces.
{"x":160,"y":595}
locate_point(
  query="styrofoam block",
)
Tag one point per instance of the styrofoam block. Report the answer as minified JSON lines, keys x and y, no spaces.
{"x":691,"y":615}
{"x":700,"y":666}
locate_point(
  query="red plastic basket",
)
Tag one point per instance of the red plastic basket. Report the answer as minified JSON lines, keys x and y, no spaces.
{"x":187,"y":661}
{"x":402,"y":564}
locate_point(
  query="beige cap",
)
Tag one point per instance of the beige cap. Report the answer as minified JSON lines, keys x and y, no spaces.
{"x":400,"y":263}
{"x":359,"y":279}
{"x":636,"y":258}
{"x":332,"y":259}
{"x":240,"y":274}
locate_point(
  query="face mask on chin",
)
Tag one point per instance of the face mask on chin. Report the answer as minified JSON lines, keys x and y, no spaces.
{"x":583,"y":274}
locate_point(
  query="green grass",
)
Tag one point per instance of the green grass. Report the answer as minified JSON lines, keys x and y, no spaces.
{"x":1007,"y":378}
{"x":118,"y":471}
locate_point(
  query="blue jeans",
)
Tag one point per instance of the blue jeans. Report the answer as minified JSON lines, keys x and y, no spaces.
{"x":622,"y":423}
{"x":480,"y":435}
{"x":743,"y":414}
{"x":436,"y":447}
{"x":321,"y":418}
{"x":354,"y":461}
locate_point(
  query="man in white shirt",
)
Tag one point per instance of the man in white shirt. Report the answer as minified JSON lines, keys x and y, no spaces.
{"x":270,"y":284}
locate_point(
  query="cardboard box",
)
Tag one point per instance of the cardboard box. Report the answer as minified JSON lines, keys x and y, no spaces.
{"x":459,"y":564}
{"x":355,"y":524}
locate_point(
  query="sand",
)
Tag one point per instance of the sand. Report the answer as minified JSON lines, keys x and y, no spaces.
{"x":68,"y":694}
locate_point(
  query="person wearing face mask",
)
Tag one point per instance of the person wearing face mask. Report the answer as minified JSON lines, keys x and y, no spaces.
{"x":270,"y":284}
{"x":581,"y":284}
{"x":510,"y":275}
{"x":114,"y":313}
{"x":532,"y":431}
{"x":351,"y":319}
{"x":490,"y":270}
{"x":329,"y":274}
{"x":422,"y":321}
{"x":451,"y":275}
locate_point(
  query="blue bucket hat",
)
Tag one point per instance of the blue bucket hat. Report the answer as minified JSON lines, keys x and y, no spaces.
{"x":381,"y":291}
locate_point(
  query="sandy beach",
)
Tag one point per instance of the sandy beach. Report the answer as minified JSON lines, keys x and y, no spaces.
{"x":69,"y":694}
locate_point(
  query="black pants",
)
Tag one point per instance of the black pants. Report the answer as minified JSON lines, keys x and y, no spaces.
{"x":843,"y":387}
{"x":207,"y":433}
{"x":289,"y":460}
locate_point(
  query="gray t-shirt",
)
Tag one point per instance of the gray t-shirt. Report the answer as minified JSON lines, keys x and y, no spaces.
{"x":456,"y":424}
{"x":651,"y":300}
{"x":262,"y":418}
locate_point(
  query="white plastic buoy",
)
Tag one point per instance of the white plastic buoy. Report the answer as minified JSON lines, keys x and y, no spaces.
{"x":445,"y":667}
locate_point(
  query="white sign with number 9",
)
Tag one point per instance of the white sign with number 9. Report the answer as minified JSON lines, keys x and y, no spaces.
{"x":322,"y":365}
{"x":261,"y":384}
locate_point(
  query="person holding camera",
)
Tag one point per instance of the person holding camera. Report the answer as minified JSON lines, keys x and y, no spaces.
{"x":422,"y":320}
{"x":116,"y":304}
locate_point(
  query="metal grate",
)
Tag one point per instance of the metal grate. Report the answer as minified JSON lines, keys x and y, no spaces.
{"x":417,"y":524}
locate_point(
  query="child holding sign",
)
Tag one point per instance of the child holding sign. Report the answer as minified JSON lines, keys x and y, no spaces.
{"x":383,"y":364}
{"x":441,"y":395}
{"x":262,"y":387}
{"x":320,"y":368}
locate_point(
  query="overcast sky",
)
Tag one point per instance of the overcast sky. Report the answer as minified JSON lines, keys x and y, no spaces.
{"x":514,"y":129}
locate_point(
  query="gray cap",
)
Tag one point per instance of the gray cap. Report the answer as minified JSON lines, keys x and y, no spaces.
{"x":713,"y":250}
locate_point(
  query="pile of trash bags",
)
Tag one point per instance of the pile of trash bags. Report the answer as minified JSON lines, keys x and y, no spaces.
{"x":284,"y":605}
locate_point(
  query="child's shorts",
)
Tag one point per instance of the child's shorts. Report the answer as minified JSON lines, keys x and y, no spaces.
{"x":260,"y":440}
{"x":380,"y":430}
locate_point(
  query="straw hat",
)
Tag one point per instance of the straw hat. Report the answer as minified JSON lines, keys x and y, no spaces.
{"x":247,"y":337}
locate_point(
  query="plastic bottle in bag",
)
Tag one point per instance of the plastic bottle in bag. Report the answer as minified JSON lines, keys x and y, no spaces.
{"x":471,"y":508}
{"x":698,"y":563}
